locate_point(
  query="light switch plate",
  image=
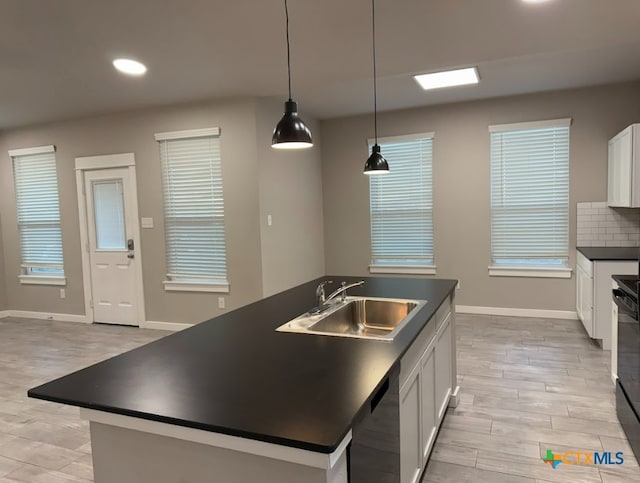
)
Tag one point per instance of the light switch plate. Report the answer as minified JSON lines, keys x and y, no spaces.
{"x":146,"y":222}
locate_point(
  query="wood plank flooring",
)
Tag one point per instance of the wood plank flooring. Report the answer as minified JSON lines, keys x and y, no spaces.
{"x":528,"y":385}
{"x":42,"y":442}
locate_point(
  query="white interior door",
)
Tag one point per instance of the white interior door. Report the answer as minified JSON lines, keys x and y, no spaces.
{"x":112,"y":247}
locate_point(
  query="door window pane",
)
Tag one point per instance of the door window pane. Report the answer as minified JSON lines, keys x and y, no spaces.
{"x":108,"y":207}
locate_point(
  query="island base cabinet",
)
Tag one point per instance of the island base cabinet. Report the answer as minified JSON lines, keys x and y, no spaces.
{"x":123,"y":455}
{"x":425,"y":391}
{"x":410,"y":445}
{"x":443,"y":374}
{"x":428,"y":403}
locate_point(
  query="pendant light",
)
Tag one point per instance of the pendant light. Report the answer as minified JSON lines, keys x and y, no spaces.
{"x":291,"y":132}
{"x":376,"y":164}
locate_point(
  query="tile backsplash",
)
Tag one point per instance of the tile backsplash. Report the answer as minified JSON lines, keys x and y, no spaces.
{"x":601,"y":226}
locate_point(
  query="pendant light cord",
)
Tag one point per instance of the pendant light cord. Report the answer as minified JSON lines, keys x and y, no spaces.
{"x":286,"y":13}
{"x":375,"y":95}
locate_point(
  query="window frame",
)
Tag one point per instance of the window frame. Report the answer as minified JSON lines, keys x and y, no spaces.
{"x":191,"y":283}
{"x":399,"y":268}
{"x":533,"y":270}
{"x":30,"y":273}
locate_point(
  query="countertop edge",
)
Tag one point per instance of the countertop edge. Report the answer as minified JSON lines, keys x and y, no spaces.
{"x":623,"y":253}
{"x":190,"y":424}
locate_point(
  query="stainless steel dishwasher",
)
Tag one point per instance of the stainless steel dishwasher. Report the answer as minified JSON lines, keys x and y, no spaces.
{"x":374,"y":452}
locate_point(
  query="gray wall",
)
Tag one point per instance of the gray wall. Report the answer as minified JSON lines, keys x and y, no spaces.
{"x":133,"y":132}
{"x":291,"y":192}
{"x":461,"y":184}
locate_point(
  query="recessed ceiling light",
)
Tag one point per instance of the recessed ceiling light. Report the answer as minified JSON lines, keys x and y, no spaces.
{"x":130,"y":66}
{"x":535,"y":1}
{"x":449,"y":78}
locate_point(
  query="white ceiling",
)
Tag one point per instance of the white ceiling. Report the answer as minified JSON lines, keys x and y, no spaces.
{"x":55,"y":56}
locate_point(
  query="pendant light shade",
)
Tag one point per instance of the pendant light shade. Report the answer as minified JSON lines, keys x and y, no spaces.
{"x":376,"y":164}
{"x":291,"y":132}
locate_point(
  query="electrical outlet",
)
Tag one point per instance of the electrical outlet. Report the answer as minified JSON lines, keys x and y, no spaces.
{"x":221,"y":303}
{"x":269,"y":220}
{"x":63,"y":293}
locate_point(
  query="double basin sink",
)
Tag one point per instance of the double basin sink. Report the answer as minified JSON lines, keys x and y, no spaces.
{"x":359,"y":317}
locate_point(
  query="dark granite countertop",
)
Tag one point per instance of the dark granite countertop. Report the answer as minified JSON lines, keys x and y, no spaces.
{"x":235,"y":375}
{"x":610,"y":253}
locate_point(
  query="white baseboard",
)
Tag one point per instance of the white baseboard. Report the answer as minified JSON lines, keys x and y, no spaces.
{"x":172,"y":326}
{"x":149,"y":324}
{"x":25,"y":314}
{"x":454,"y":399}
{"x":545,"y":314}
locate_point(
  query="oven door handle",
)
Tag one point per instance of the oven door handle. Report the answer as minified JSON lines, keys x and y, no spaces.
{"x":618,"y":298}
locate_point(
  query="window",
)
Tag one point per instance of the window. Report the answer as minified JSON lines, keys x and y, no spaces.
{"x":401,"y":205}
{"x":193,"y":210}
{"x":530,"y":199}
{"x":38,"y":215}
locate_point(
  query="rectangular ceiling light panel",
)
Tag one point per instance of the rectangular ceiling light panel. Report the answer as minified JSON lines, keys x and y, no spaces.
{"x":449,"y":78}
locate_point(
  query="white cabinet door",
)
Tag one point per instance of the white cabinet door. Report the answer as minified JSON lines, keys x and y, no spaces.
{"x":428,"y":403}
{"x":584,"y":302}
{"x":579,"y":301}
{"x":620,"y":169}
{"x":611,"y":175}
{"x":443,"y":368}
{"x":410,"y":448}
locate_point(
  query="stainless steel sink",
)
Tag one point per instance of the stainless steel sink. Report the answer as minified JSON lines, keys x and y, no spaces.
{"x":360,"y":317}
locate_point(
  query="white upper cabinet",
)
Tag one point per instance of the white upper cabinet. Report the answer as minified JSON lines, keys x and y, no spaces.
{"x":624,"y":169}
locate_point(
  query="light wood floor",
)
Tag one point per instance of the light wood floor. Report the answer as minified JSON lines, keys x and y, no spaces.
{"x":42,"y":442}
{"x":528,"y":385}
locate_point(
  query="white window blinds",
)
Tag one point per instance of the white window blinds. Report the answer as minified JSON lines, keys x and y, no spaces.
{"x":38,"y":211}
{"x":193,"y":206}
{"x":401,"y":204}
{"x":530,"y":193}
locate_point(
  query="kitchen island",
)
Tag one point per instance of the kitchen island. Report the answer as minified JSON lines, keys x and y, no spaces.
{"x":232,"y":400}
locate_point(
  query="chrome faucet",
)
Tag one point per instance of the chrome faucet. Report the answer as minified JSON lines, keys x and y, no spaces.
{"x":323,"y":300}
{"x":343,"y":290}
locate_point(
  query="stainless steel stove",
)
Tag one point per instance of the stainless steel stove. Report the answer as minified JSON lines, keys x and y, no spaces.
{"x":628,"y":384}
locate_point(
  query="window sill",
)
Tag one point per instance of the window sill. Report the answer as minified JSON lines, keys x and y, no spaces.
{"x":182,"y":286}
{"x":40,"y":280}
{"x":425,"y":270}
{"x":532,"y":272}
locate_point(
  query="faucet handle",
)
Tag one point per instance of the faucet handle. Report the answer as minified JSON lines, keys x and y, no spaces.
{"x":320,"y":290}
{"x":322,"y":284}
